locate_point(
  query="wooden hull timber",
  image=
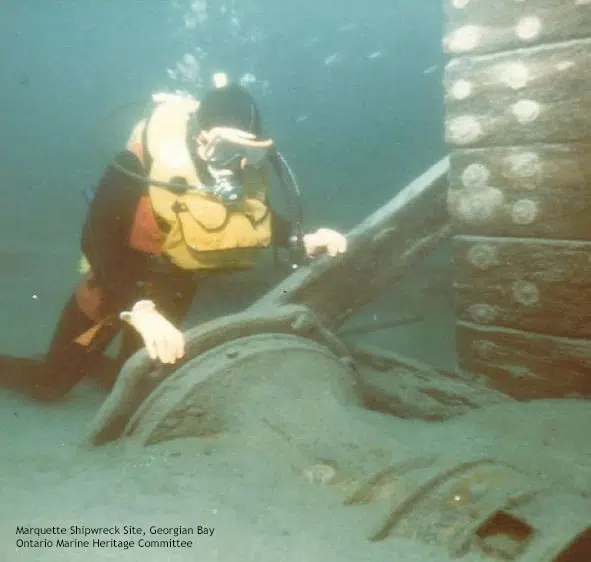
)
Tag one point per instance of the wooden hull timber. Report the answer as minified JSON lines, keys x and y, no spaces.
{"x":518,"y":125}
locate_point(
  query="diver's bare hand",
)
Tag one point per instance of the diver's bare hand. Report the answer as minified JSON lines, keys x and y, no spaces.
{"x":162,"y":339}
{"x":325,"y":240}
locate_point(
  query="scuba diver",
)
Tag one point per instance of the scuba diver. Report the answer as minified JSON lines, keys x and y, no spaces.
{"x":187,"y":197}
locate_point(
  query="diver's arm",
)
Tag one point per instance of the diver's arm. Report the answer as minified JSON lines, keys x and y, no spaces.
{"x":323,"y":240}
{"x":281,"y":230}
{"x":116,"y":267}
{"x":120,"y":270}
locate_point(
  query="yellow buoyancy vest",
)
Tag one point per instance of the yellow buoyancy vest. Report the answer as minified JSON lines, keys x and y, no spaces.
{"x":202,"y":232}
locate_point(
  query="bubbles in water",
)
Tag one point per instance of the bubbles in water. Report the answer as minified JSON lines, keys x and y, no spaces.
{"x":202,"y":24}
{"x":247,"y":79}
{"x":347,"y":27}
{"x":341,"y":51}
{"x":189,"y":67}
{"x":196,"y":15}
{"x":333,"y":59}
{"x":252,"y":83}
{"x":188,"y":70}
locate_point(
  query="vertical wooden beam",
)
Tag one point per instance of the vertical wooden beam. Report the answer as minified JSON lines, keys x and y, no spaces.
{"x":518,"y":124}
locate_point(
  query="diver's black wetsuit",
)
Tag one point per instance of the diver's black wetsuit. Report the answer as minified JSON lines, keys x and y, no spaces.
{"x":124,"y":276}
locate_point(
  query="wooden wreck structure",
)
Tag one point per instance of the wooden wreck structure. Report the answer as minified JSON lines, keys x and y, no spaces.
{"x":513,"y":197}
{"x":518,"y":126}
{"x":519,"y":131}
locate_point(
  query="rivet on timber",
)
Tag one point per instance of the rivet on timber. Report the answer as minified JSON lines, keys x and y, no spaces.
{"x":464,"y":39}
{"x":480,"y":204}
{"x":515,"y":75}
{"x":483,"y":348}
{"x":460,"y":3}
{"x":482,"y":313}
{"x":528,"y":28}
{"x":524,"y":211}
{"x":523,"y":165}
{"x":565,"y":64}
{"x":461,"y":89}
{"x":525,"y":293}
{"x":463,"y":130}
{"x":483,"y":256}
{"x":320,"y":473}
{"x":303,"y":324}
{"x":475,"y":175}
{"x":526,"y":111}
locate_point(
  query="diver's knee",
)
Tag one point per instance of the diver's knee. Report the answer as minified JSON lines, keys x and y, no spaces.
{"x":51,"y":388}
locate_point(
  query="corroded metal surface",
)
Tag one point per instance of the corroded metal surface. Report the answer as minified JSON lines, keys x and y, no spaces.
{"x":479,"y":506}
{"x":303,"y":396}
{"x":421,"y":392}
{"x":275,"y":379}
{"x":141,"y":376}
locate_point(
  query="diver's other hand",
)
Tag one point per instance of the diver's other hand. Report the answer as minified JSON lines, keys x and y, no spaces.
{"x":162,"y":339}
{"x":325,"y":240}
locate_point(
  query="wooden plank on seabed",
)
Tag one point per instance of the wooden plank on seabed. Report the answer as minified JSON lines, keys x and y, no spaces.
{"x":481,"y":26}
{"x":542,"y":94}
{"x":380,"y":251}
{"x":527,"y":191}
{"x":532,"y":285}
{"x":525,"y":365}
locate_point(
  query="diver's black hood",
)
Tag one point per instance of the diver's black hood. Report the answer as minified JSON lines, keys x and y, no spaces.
{"x":229,"y":106}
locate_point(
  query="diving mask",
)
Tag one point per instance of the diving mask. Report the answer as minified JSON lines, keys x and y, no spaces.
{"x":226,"y":152}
